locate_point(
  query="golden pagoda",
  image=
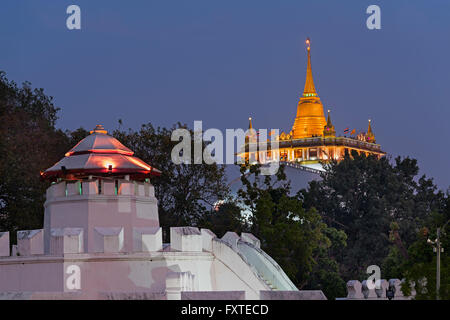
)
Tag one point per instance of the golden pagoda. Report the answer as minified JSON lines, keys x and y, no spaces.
{"x":313,"y":139}
{"x":310,"y":120}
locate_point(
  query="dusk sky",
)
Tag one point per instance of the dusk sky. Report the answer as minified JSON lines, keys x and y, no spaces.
{"x":223,"y":61}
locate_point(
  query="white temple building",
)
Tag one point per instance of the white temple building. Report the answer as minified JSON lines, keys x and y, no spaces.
{"x":101,"y":239}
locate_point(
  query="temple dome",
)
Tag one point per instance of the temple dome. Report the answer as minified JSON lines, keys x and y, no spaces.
{"x":99,"y":154}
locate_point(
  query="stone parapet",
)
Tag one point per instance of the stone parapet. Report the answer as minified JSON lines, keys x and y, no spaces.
{"x":250,"y":238}
{"x":213,"y":295}
{"x":4,"y":244}
{"x":108,"y":240}
{"x":207,"y":237}
{"x":292,"y":295}
{"x":362,"y":291}
{"x":147,"y":239}
{"x":30,"y":242}
{"x":66,"y":240}
{"x":176,"y":282}
{"x":186,"y":239}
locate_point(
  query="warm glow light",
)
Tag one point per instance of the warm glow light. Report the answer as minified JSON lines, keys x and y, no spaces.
{"x":101,"y":151}
{"x":139,"y":163}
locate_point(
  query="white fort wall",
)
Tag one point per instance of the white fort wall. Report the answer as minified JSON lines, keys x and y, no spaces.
{"x":120,"y":204}
{"x":105,"y":243}
{"x":113,"y":275}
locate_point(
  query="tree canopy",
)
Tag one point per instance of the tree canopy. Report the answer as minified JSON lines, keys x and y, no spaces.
{"x":296,"y":238}
{"x":381,"y":206}
{"x":29,"y":143}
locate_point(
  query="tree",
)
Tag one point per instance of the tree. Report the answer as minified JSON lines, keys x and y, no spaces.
{"x":29,"y":143}
{"x":297,"y":239}
{"x":325,"y":274}
{"x":419,"y":267}
{"x":363,"y":196}
{"x":225,"y":217}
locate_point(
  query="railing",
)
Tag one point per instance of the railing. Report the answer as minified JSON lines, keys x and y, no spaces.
{"x":319,"y":141}
{"x":299,"y":166}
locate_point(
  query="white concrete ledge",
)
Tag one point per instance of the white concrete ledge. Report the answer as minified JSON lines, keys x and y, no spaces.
{"x":207,"y":237}
{"x":30,"y":242}
{"x":398,"y":287}
{"x":185,"y":239}
{"x":213,"y":295}
{"x":90,"y":187}
{"x":360,"y":291}
{"x":108,"y":240}
{"x":132,"y":296}
{"x":250,"y":238}
{"x":73,"y":188}
{"x":368,"y":293}
{"x":4,"y":244}
{"x":40,"y":295}
{"x":108,"y":187}
{"x":354,"y":290}
{"x":66,"y":240}
{"x":176,"y":282}
{"x":147,"y":239}
{"x":381,"y":289}
{"x":56,"y":190}
{"x":126,"y":188}
{"x":232,"y":239}
{"x":293,"y":295}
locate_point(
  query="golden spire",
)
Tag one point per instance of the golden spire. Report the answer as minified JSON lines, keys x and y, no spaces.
{"x":328,"y":130}
{"x":329,"y":119}
{"x":370,"y":135}
{"x":310,"y":120}
{"x":309,"y":90}
{"x":251,"y":133}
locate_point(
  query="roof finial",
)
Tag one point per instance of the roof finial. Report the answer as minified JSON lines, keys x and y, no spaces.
{"x":328,"y":130}
{"x":250,"y":122}
{"x":370,"y":135}
{"x":310,"y":90}
{"x":99,"y":129}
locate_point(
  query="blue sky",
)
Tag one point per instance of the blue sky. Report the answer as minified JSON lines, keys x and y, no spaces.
{"x":223,"y":61}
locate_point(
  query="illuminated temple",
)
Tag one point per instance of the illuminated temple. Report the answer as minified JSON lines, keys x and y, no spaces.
{"x":312,"y":140}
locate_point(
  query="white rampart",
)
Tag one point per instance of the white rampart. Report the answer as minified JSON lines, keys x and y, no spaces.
{"x":292,"y":295}
{"x":66,"y":240}
{"x":269,"y":270}
{"x":176,"y":282}
{"x":213,"y":295}
{"x":250,"y":238}
{"x":207,"y":238}
{"x":102,"y":203}
{"x":147,"y":239}
{"x":232,"y":239}
{"x":4,"y":244}
{"x":30,"y":242}
{"x":235,"y":262}
{"x":108,"y":239}
{"x":186,"y":239}
{"x":102,"y":240}
{"x":361,"y":291}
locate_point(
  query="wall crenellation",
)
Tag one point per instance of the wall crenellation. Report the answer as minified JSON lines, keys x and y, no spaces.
{"x":357,"y":290}
{"x":101,"y":187}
